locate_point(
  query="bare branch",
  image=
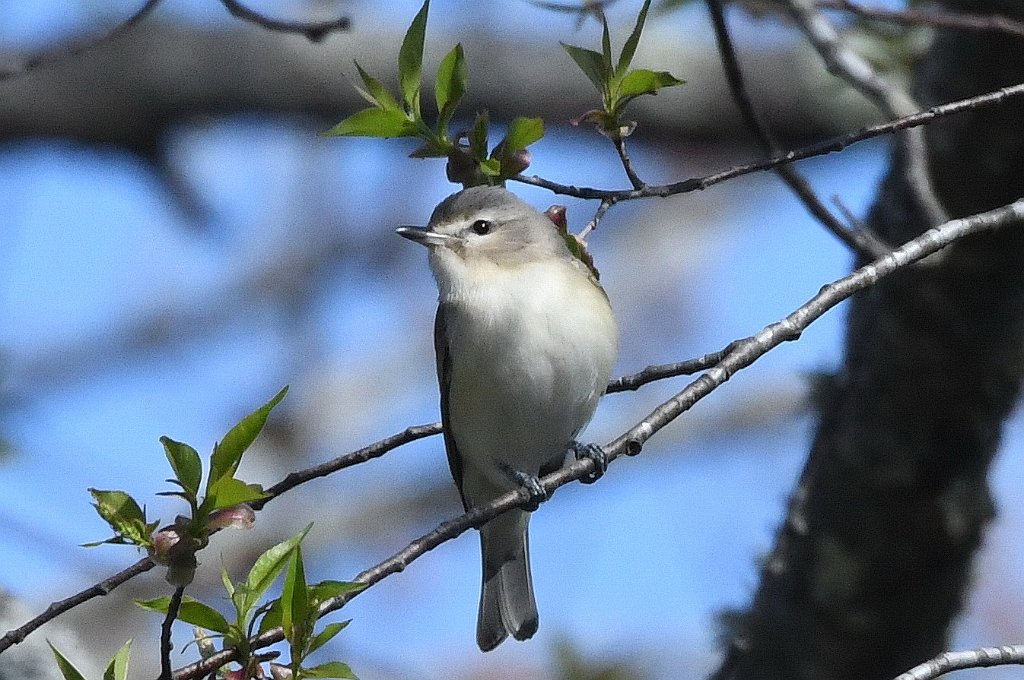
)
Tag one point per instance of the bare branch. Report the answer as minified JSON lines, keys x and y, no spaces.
{"x":992,"y":23}
{"x":165,"y":633}
{"x":810,"y":151}
{"x":315,"y":31}
{"x":13,"y":637}
{"x":860,"y":241}
{"x":738,"y":356}
{"x":75,"y":50}
{"x":893,"y":100}
{"x":948,"y":662}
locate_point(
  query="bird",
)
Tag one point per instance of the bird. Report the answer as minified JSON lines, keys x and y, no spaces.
{"x":525,"y":340}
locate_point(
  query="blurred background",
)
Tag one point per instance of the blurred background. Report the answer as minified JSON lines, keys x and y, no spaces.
{"x":177,"y":243}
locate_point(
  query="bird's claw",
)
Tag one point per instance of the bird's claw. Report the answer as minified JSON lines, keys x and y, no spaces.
{"x":534,"y":489}
{"x":595,"y":453}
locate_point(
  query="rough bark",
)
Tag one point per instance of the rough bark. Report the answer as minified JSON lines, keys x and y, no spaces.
{"x":874,"y":559}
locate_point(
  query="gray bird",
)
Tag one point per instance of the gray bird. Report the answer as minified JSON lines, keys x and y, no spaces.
{"x":525,"y":341}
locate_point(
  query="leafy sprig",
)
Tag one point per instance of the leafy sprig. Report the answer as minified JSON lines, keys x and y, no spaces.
{"x":615,"y":81}
{"x":389,"y":116}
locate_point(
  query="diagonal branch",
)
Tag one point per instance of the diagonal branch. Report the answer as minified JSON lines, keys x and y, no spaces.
{"x":818,"y":149}
{"x":739,"y":355}
{"x":947,"y":662}
{"x":315,"y":31}
{"x":860,"y":241}
{"x":75,"y":50}
{"x":893,"y":100}
{"x":965,"y":21}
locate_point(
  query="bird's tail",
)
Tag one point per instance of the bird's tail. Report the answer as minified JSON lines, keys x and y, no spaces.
{"x":507,"y":604}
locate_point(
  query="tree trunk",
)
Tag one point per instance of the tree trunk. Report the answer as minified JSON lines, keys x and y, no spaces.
{"x":874,"y":559}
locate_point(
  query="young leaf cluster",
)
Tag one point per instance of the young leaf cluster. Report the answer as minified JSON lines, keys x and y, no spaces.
{"x":469,"y":162}
{"x":295,"y":611}
{"x":615,"y":81}
{"x":222,"y":503}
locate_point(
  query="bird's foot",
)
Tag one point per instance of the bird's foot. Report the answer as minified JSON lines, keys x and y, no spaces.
{"x":595,"y":453}
{"x":533,"y":487}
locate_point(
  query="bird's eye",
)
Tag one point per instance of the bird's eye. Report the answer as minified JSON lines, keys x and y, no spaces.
{"x":481,"y":227}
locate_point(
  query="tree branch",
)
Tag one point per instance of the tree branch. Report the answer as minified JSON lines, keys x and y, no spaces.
{"x":166,"y":646}
{"x":51,"y":58}
{"x":893,"y":100}
{"x":859,"y":241}
{"x":947,"y":662}
{"x":315,"y":31}
{"x":738,"y":356}
{"x":992,"y":23}
{"x":818,"y":149}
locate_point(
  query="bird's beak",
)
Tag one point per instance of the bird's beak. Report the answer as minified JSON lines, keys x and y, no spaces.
{"x":427,"y":237}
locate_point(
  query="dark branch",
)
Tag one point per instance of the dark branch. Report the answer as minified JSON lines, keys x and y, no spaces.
{"x":965,"y":21}
{"x":315,"y":31}
{"x":860,"y":241}
{"x":818,"y":149}
{"x":165,"y":633}
{"x":49,"y":59}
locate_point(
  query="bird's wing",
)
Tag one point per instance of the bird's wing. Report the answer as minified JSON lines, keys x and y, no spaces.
{"x":444,"y":380}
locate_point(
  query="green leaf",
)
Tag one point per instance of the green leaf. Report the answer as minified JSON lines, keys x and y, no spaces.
{"x":324,"y":636}
{"x":385,"y":124}
{"x":410,"y":59}
{"x":185,"y":461}
{"x":229,"y":492}
{"x":629,"y":48}
{"x":272,"y":619}
{"x":375,"y":92}
{"x":606,"y":44}
{"x":225,"y":578}
{"x":68,"y":670}
{"x":325,"y":590}
{"x":295,"y":600}
{"x":117,"y":669}
{"x":644,"y":81}
{"x":450,"y":86}
{"x":191,"y":611}
{"x":522,"y":132}
{"x":478,"y":137}
{"x":124,"y":516}
{"x":592,"y":64}
{"x":331,"y":669}
{"x":267,"y":567}
{"x":228,"y":453}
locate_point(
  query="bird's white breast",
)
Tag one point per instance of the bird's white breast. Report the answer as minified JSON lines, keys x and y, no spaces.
{"x":532,"y":349}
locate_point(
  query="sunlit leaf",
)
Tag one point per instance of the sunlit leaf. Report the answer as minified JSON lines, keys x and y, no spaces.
{"x":450,"y":85}
{"x":68,"y":670}
{"x":267,"y":567}
{"x":629,"y":48}
{"x":185,"y":461}
{"x":190,"y":611}
{"x":294,"y":599}
{"x":331,"y":669}
{"x":410,"y":59}
{"x":644,"y":81}
{"x":117,"y":669}
{"x":592,"y":64}
{"x":522,"y":132}
{"x":375,"y":92}
{"x":325,"y":635}
{"x":228,"y":453}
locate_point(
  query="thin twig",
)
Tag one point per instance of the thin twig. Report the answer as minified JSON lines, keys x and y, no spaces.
{"x":845,"y":63}
{"x":992,"y":23}
{"x":810,"y":151}
{"x":166,"y":646}
{"x":374,"y":450}
{"x":948,"y":662}
{"x":737,"y":356}
{"x":606,"y":203}
{"x":16,"y":636}
{"x":73,"y":51}
{"x":315,"y":31}
{"x":627,"y":164}
{"x":861,"y":241}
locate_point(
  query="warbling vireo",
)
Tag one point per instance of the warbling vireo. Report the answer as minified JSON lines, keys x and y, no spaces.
{"x":525,"y":341}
